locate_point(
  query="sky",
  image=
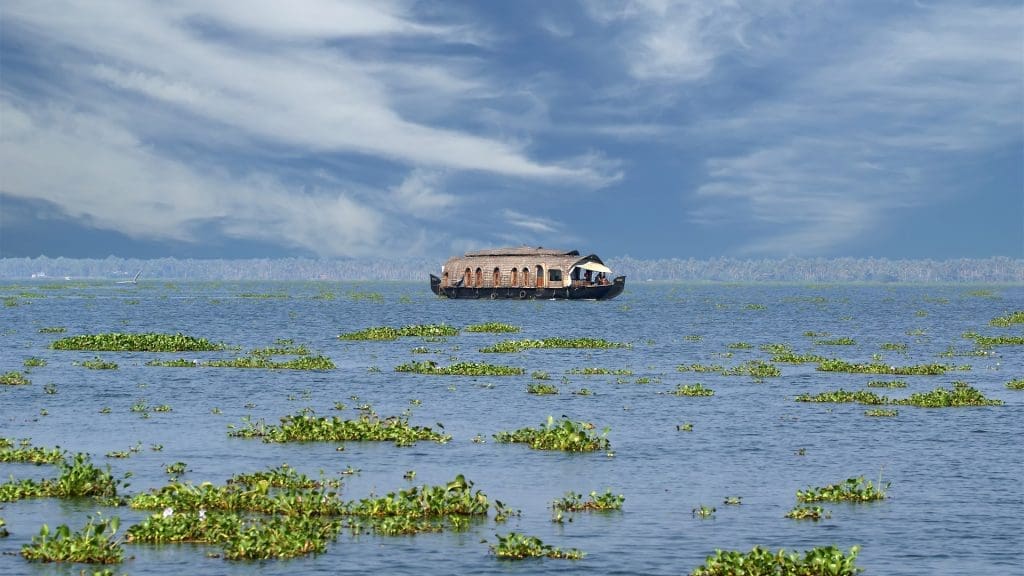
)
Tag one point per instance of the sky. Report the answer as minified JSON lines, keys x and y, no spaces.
{"x":383,"y":129}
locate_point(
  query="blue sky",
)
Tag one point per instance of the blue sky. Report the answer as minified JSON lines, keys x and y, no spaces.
{"x":645,"y":128}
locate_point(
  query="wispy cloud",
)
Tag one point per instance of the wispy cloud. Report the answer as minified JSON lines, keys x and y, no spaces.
{"x":857,"y":141}
{"x":250,"y":82}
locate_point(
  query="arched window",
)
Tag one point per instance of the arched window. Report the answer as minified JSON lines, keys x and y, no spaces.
{"x":526,"y":277}
{"x":468,"y":278}
{"x":479,"y":278}
{"x":515,"y":277}
{"x":540,"y":276}
{"x":497,"y":277}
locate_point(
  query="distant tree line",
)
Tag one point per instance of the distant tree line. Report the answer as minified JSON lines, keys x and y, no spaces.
{"x":985,"y":270}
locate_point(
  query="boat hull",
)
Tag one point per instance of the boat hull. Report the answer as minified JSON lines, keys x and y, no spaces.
{"x":576,"y":292}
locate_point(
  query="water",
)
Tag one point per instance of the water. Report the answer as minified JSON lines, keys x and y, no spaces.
{"x":954,"y":505}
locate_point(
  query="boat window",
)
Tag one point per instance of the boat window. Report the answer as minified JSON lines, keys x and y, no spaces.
{"x":497,"y":276}
{"x":515,"y":280}
{"x":479,"y":278}
{"x":468,"y":278}
{"x":444,"y":279}
{"x":540,"y":276}
{"x":526,"y":277}
{"x":554,"y":275}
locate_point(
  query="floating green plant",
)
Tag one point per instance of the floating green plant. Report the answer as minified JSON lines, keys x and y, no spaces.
{"x":98,"y":363}
{"x":852,"y":490}
{"x":34,"y":362}
{"x":262,"y":295}
{"x":14,"y":378}
{"x":460,"y":369}
{"x":495,"y":327}
{"x":836,"y":365}
{"x":282,"y":347}
{"x":282,"y":537}
{"x":583,"y":392}
{"x":821,"y":561}
{"x":573,"y":502}
{"x":837,"y":342}
{"x":844,"y":396}
{"x":691,"y":390}
{"x":733,"y":500}
{"x":25,"y":452}
{"x":693,"y":338}
{"x":993,"y":341}
{"x":148,"y":342}
{"x":94,"y":544}
{"x":894,"y":346}
{"x":564,"y":435}
{"x":685,"y":427}
{"x":389,"y":333}
{"x":703,"y":512}
{"x":1016,"y":317}
{"x":881,"y":413}
{"x":960,"y":395}
{"x":176,"y":469}
{"x":539,"y":375}
{"x":78,"y":478}
{"x":3,"y":529}
{"x":195,"y":527}
{"x":740,"y":346}
{"x":756,"y":369}
{"x":808,"y":513}
{"x":301,"y":363}
{"x":1017,"y":384}
{"x":284,"y":476}
{"x":507,"y":346}
{"x":601,"y":371}
{"x":515,"y":546}
{"x":52,"y":330}
{"x":541,"y":389}
{"x":887,"y":384}
{"x":304,"y":427}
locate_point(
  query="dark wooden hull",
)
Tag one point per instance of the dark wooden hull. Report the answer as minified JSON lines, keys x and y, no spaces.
{"x":576,"y":292}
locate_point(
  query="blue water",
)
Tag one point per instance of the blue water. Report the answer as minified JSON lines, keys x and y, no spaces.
{"x":954,"y":506}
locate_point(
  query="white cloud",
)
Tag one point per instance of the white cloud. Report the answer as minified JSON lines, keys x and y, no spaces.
{"x":418,"y":195}
{"x":852,"y":144}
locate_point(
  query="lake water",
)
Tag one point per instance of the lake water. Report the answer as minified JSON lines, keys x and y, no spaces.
{"x":954,"y":505}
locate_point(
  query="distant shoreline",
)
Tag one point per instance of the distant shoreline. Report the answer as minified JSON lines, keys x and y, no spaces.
{"x":996,"y":270}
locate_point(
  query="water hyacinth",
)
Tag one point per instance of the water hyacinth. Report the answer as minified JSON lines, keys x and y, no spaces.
{"x":148,"y":342}
{"x":515,"y":546}
{"x":493,"y":327}
{"x":14,"y":378}
{"x":691,"y":390}
{"x":94,"y":544}
{"x":388,"y":333}
{"x":829,"y":560}
{"x":573,"y":502}
{"x":852,"y":490}
{"x":564,"y":435}
{"x":304,"y":427}
{"x":460,"y":369}
{"x":507,"y":346}
{"x":836,"y":365}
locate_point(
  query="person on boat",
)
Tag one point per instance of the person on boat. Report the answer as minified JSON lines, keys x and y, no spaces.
{"x":587,"y":278}
{"x":601,"y":279}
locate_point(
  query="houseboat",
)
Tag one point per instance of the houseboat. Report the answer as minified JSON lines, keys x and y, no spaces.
{"x":524,"y":273}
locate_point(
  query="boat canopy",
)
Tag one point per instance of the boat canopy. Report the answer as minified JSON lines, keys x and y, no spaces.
{"x":591,"y":265}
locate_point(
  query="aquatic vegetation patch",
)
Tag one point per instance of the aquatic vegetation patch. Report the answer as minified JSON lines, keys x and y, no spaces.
{"x":194,"y":527}
{"x":261,"y":361}
{"x":757,"y":369}
{"x":881,"y":413}
{"x":1017,"y":384}
{"x":828,"y":560}
{"x":808,"y":513}
{"x":284,"y":476}
{"x":740,"y":346}
{"x":601,"y":371}
{"x":691,"y":390}
{"x":94,"y":544}
{"x":305,"y":427}
{"x":34,"y":362}
{"x":703,"y":512}
{"x":262,"y":295}
{"x":147,"y":342}
{"x":573,"y":502}
{"x":281,"y":347}
{"x":894,"y":346}
{"x":52,"y":330}
{"x":836,"y":365}
{"x":566,"y":435}
{"x":495,"y":327}
{"x":887,"y":384}
{"x":541,"y":389}
{"x":852,"y":490}
{"x":515,"y":546}
{"x":993,"y":341}
{"x":837,"y":342}
{"x":98,"y":363}
{"x":791,"y":357}
{"x":509,"y":346}
{"x":960,"y":395}
{"x":1015,"y":317}
{"x":78,"y":478}
{"x":389,"y":333}
{"x":844,"y":396}
{"x":460,"y":369}
{"x":14,"y":378}
{"x":27,"y":453}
